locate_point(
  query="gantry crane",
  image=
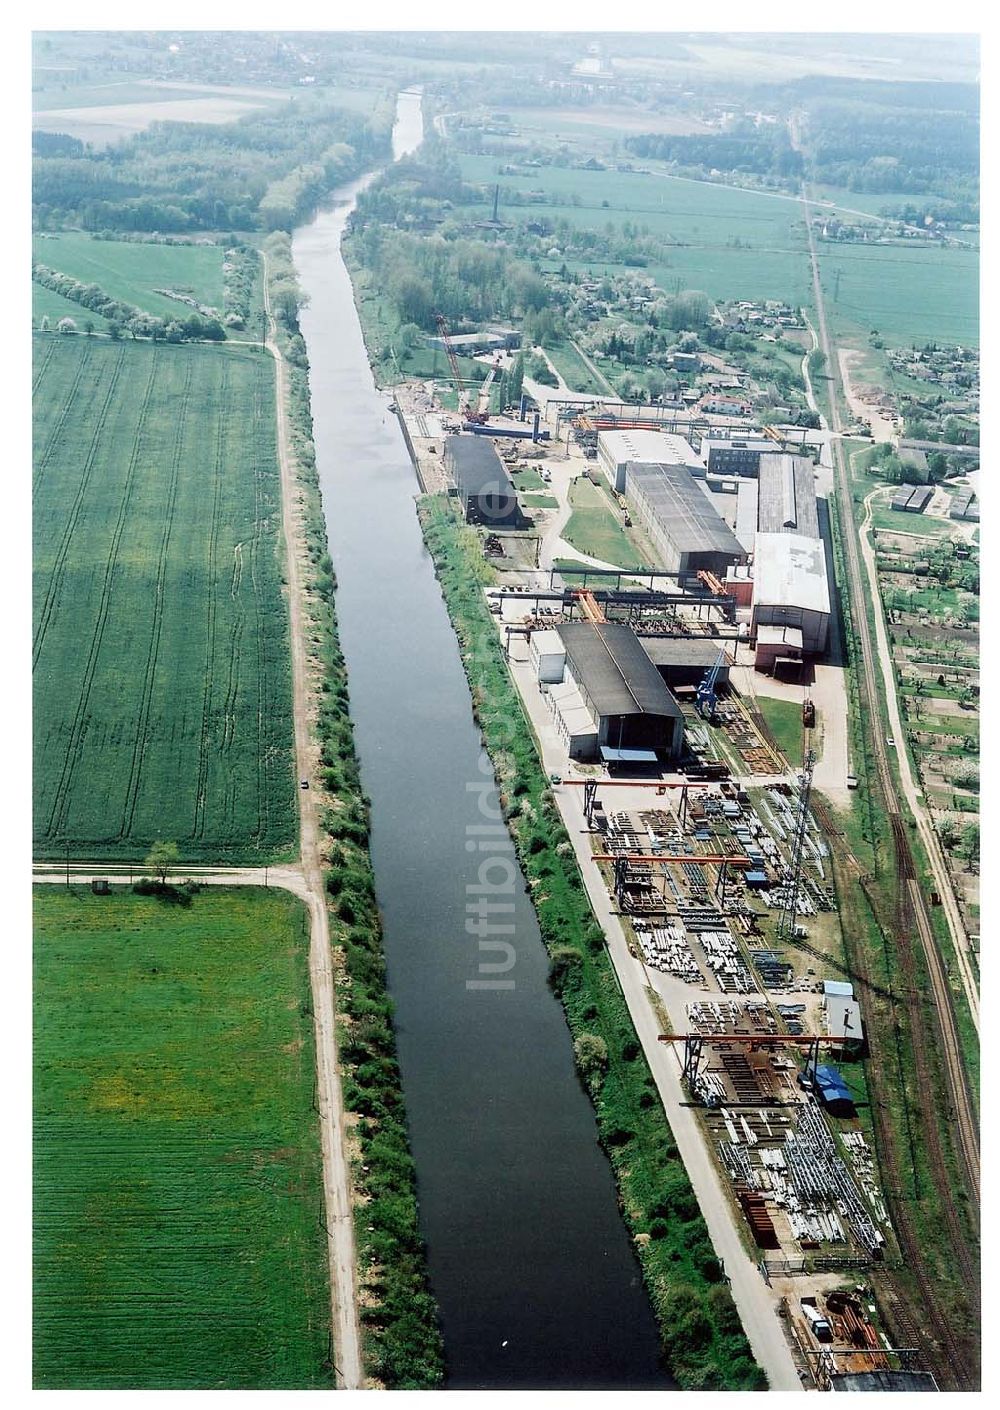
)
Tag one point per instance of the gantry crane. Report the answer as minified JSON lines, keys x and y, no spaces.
{"x":694,"y":1042}
{"x":705,"y":700}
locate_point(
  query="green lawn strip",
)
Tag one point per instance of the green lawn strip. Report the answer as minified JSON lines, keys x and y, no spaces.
{"x":178,"y":1201}
{"x":784,"y":718}
{"x":162,"y":683}
{"x":702,"y":1338}
{"x":595,"y":528}
{"x":401,"y":1340}
{"x":918,"y":526}
{"x":539,"y":501}
{"x":572,"y":368}
{"x":528,"y":479}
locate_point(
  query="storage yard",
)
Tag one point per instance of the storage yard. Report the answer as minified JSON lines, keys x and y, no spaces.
{"x":707,"y":844}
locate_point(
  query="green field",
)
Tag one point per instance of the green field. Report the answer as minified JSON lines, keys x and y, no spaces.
{"x":132,"y":272}
{"x":46,"y":302}
{"x":161,"y":665}
{"x":909,"y":295}
{"x":594,"y":527}
{"x":177,"y":1171}
{"x":734,"y":244}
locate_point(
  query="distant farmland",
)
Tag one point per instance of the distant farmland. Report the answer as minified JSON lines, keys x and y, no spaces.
{"x":177,"y":1172}
{"x":161,"y":664}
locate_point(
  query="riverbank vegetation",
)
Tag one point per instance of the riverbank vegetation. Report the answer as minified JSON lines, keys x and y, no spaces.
{"x":177,"y":1173}
{"x":703,"y":1341}
{"x":402,"y":1344}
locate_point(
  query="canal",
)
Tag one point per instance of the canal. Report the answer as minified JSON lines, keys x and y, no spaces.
{"x":529,"y":1259}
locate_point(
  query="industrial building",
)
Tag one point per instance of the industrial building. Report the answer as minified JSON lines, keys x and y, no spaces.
{"x":485,"y":341}
{"x":616,"y":450}
{"x":684,"y":661}
{"x":786,"y":496}
{"x":487,"y":495}
{"x":964,"y":505}
{"x":912,"y":499}
{"x":735,"y":455}
{"x":611,"y":702}
{"x":790,"y":590}
{"x":680,"y":519}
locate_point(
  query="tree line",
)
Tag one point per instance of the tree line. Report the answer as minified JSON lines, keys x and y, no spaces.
{"x":266,"y":171}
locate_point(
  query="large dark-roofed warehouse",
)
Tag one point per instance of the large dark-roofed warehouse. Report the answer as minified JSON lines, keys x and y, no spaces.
{"x":632,"y":708}
{"x":684,"y":525}
{"x":487,"y":495}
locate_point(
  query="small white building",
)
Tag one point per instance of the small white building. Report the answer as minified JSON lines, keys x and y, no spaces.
{"x":548,"y":656}
{"x":575,"y":724}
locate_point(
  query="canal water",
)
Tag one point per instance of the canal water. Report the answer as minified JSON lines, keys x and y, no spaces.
{"x":529,"y":1259}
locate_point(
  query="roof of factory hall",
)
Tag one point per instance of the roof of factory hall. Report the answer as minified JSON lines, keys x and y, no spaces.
{"x":660,"y":447}
{"x":478,"y":468}
{"x":682,"y":651}
{"x":607,"y":660}
{"x":790,"y":570}
{"x":687,"y":515}
{"x":786,"y":496}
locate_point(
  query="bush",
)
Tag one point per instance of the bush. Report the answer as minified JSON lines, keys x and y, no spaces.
{"x":591,"y":1053}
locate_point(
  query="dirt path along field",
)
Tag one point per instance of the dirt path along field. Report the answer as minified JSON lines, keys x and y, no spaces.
{"x":336,"y":1170}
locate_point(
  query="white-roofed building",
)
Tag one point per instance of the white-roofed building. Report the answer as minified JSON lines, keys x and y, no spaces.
{"x":791,"y":588}
{"x":616,"y":449}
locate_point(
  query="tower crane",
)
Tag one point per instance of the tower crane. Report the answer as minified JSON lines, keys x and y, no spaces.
{"x":469,"y":412}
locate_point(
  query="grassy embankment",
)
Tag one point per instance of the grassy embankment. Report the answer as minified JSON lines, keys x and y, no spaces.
{"x":702,"y":1338}
{"x":160,"y":651}
{"x":401,"y":1341}
{"x":177,"y":1171}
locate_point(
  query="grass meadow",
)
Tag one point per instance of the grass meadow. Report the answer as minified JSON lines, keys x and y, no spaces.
{"x":732,"y":243}
{"x":177,"y":1170}
{"x":133,"y":272}
{"x":784,"y":719}
{"x":162,"y":690}
{"x":47,"y":303}
{"x":595,"y":529}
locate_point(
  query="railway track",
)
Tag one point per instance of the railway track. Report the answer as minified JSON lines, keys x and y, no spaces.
{"x":946,"y":1351}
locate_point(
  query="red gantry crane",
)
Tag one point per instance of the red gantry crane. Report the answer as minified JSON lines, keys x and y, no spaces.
{"x":468,"y":411}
